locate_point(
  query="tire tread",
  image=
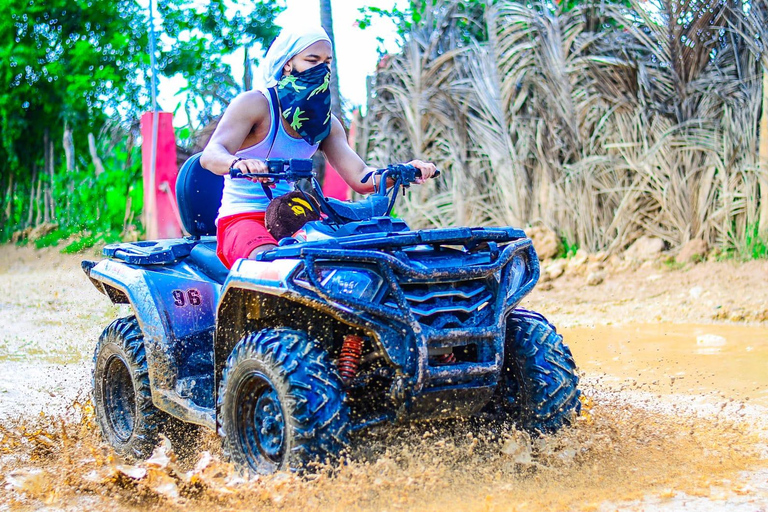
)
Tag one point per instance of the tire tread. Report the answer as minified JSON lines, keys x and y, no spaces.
{"x":315,"y":401}
{"x":539,"y":387}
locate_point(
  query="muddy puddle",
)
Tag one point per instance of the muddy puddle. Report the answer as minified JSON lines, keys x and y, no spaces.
{"x":713,"y":362}
{"x":672,"y":421}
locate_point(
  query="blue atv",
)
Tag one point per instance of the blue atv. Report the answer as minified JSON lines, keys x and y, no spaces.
{"x":362,"y":322}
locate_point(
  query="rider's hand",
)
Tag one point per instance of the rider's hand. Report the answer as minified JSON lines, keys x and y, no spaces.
{"x":427,"y":170}
{"x":254,"y":166}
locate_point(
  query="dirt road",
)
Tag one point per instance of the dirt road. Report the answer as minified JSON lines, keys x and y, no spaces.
{"x":672,"y":360}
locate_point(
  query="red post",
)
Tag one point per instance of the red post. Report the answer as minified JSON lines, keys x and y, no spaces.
{"x":333,"y":184}
{"x":161,"y":217}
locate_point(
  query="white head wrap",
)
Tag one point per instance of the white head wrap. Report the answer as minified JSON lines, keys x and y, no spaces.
{"x":287,"y":45}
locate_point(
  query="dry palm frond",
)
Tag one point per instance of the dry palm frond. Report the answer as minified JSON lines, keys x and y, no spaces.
{"x":637,"y":123}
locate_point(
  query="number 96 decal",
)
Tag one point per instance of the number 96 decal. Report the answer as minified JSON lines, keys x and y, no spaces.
{"x":190,"y":298}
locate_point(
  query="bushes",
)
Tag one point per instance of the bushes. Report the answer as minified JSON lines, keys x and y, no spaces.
{"x":85,"y":208}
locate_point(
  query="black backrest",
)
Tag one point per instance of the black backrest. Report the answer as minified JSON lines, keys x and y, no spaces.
{"x":198,"y":194}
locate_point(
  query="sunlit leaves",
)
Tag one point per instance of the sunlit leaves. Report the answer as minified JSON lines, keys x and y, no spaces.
{"x":198,"y":34}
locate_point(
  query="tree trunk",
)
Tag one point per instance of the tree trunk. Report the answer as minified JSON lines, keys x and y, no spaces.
{"x":247,"y":72}
{"x":31,"y":211}
{"x":9,"y":199}
{"x":69,"y":148}
{"x":129,"y":147}
{"x":38,"y":195}
{"x":764,"y":160}
{"x":49,"y":168}
{"x":97,"y":163}
{"x":128,"y":218}
{"x":4,"y":204}
{"x":49,"y":215}
{"x":326,"y":19}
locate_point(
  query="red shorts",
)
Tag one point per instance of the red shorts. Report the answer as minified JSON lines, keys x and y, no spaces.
{"x":238,"y":235}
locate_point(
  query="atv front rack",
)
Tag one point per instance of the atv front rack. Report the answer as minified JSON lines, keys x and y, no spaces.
{"x":469,"y":238}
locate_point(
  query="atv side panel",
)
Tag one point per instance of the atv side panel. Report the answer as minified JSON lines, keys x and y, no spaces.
{"x":174,"y":305}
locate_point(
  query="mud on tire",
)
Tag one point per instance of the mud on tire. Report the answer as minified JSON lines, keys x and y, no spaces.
{"x":280,"y":403}
{"x":538,"y":385}
{"x":128,"y":419}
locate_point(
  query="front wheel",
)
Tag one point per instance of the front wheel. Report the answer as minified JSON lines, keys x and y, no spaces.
{"x":538,"y":385}
{"x":281,"y":404}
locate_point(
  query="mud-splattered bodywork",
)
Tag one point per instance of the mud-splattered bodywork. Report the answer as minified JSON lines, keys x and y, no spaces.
{"x":413,"y":296}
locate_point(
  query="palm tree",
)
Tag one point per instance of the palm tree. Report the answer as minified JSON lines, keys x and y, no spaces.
{"x":326,"y":19}
{"x":643,"y":123}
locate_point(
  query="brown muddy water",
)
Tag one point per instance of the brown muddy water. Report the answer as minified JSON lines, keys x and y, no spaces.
{"x":673,"y":420}
{"x":715,"y":362}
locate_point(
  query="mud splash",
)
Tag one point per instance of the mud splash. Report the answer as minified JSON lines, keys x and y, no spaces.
{"x":616,"y":452}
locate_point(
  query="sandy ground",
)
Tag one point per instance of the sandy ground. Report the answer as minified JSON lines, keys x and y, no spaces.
{"x":646,"y":443}
{"x":708,"y":292}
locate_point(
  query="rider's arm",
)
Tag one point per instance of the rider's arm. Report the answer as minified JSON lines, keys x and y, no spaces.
{"x":351,"y":167}
{"x":247,"y":112}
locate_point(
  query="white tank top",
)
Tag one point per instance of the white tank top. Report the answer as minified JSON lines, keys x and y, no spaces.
{"x":244,"y":196}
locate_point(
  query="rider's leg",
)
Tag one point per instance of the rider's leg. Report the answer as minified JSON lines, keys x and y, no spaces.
{"x":242,"y":236}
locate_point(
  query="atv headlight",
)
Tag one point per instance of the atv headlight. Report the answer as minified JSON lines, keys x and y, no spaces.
{"x":358,"y":283}
{"x":516,"y":273}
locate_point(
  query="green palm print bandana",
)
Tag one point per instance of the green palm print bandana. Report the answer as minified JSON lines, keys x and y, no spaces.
{"x":305,"y":99}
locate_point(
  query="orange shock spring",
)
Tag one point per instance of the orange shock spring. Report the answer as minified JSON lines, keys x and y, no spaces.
{"x":349,"y":360}
{"x":449,"y":358}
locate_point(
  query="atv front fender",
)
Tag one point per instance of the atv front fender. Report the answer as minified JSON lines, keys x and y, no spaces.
{"x":259,"y":294}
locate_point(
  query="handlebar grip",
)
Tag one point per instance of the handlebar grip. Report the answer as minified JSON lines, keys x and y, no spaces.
{"x":279,"y":168}
{"x":237,"y":173}
{"x":437,"y":173}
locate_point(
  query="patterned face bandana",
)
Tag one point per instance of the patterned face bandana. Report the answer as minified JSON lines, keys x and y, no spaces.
{"x":305,"y":98}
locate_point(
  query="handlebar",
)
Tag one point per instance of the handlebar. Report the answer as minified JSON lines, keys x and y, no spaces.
{"x":296,"y":169}
{"x":402,"y":174}
{"x":293,"y":169}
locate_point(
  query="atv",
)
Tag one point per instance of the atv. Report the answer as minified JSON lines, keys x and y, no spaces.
{"x":358,"y":321}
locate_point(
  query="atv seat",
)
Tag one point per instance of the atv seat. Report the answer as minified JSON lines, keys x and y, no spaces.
{"x":198,"y":194}
{"x":203,"y":255}
{"x":372,"y":206}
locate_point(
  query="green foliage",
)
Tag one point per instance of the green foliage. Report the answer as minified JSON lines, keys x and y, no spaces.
{"x":672,"y":264}
{"x":94,"y":208}
{"x":569,"y":248}
{"x":51,"y":239}
{"x":69,"y":62}
{"x":755,"y":247}
{"x":204,"y":32}
{"x":420,"y":14}
{"x":88,"y":241}
{"x":79,"y":65}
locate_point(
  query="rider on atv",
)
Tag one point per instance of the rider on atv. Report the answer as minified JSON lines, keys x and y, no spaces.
{"x":296,"y":91}
{"x":364,"y":321}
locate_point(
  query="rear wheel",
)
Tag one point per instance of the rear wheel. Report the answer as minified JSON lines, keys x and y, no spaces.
{"x":538,"y":385}
{"x":122,"y":399}
{"x":280,"y":403}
